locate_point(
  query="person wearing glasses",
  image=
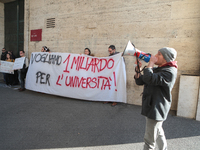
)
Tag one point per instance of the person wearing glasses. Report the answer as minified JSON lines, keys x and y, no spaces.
{"x":112,"y":50}
{"x":3,"y":55}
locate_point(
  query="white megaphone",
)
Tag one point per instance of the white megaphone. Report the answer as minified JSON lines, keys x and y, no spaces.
{"x":132,"y":51}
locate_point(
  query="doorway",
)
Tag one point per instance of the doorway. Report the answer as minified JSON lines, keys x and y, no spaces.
{"x":14,"y":26}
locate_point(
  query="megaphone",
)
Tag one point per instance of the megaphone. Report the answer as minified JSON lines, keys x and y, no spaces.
{"x":130,"y":50}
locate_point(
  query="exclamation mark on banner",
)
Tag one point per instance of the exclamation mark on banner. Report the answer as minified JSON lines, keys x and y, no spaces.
{"x":115,"y":80}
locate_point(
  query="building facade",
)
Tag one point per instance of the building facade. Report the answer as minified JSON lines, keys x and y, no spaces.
{"x":71,"y":25}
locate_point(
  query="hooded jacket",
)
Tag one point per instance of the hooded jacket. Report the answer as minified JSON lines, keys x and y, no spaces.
{"x":158,"y":83}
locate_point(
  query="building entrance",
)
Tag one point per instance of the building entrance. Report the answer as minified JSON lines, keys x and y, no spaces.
{"x":14,"y":26}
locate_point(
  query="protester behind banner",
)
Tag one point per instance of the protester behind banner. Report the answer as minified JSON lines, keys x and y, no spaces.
{"x":112,"y":51}
{"x":87,"y":51}
{"x":45,"y":49}
{"x":48,"y":50}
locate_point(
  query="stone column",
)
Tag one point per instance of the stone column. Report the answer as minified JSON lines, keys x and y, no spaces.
{"x":26,"y":26}
{"x":1,"y":26}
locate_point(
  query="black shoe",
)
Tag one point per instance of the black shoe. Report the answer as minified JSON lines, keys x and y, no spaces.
{"x":21,"y":90}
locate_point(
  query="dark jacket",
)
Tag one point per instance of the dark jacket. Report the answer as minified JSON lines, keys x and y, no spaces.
{"x":3,"y":56}
{"x":158,"y":83}
{"x":113,"y":53}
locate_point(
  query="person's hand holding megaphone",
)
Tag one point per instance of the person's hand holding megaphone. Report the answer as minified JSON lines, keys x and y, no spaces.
{"x":137,"y":69}
{"x":152,"y":61}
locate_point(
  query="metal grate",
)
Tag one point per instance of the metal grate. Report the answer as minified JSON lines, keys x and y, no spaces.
{"x":50,"y":23}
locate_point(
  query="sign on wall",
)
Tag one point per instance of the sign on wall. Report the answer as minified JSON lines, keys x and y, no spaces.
{"x":78,"y":76}
{"x":36,"y":35}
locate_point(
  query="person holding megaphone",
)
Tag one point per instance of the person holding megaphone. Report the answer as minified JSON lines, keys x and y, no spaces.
{"x":156,"y":100}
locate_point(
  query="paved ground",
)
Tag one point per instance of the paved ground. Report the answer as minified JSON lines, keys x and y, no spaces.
{"x":36,"y":121}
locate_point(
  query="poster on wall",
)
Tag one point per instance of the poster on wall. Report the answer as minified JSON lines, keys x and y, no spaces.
{"x":78,"y":76}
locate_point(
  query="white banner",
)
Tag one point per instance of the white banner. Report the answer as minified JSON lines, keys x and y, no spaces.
{"x":78,"y":76}
{"x":6,"y":67}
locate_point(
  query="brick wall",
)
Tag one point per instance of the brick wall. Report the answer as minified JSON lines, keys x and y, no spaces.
{"x":149,"y":24}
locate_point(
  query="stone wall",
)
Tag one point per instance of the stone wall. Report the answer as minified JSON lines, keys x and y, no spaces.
{"x":1,"y":26}
{"x":149,"y":24}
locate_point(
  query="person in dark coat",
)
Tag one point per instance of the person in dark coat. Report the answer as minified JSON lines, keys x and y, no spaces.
{"x":3,"y":54}
{"x":156,"y":100}
{"x":3,"y":57}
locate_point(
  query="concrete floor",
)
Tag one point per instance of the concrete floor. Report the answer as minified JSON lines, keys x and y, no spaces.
{"x":36,"y":121}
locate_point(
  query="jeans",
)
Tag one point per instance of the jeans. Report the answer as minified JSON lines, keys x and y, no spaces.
{"x":22,"y":83}
{"x":21,"y":79}
{"x":19,"y":76}
{"x":4,"y":77}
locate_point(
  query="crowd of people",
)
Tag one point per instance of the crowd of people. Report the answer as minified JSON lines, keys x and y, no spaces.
{"x":158,"y":83}
{"x":19,"y":75}
{"x":10,"y":79}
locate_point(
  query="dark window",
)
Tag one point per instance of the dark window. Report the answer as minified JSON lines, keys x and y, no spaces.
{"x":14,"y":26}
